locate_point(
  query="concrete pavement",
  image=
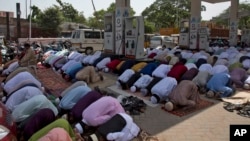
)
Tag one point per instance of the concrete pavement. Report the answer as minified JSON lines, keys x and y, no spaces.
{"x":210,"y":124}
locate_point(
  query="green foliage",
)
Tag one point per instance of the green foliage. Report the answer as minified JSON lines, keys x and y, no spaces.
{"x":97,"y":20}
{"x":35,"y":12}
{"x":50,"y":19}
{"x":70,"y":14}
{"x":149,"y":27}
{"x":244,"y":22}
{"x":167,"y":13}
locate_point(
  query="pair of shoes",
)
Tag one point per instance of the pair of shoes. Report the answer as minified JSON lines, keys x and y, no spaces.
{"x":229,"y":107}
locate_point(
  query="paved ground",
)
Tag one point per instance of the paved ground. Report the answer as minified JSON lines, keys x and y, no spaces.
{"x":210,"y":124}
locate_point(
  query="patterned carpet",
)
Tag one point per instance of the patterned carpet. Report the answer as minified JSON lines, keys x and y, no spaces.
{"x":52,"y":81}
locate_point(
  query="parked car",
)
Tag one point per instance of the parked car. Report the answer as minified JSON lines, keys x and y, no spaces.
{"x":156,"y":41}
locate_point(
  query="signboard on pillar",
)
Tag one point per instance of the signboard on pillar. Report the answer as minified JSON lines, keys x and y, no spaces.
{"x":120,"y":14}
{"x":194,"y":25}
{"x":203,"y":38}
{"x":184,"y":33}
{"x":233,"y":33}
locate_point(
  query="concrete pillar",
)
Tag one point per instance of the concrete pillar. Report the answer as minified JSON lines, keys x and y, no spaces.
{"x":194,"y":23}
{"x":196,"y":8}
{"x":122,"y":11}
{"x":122,"y":3}
{"x":18,"y":15}
{"x":233,"y":31}
{"x":8,"y":26}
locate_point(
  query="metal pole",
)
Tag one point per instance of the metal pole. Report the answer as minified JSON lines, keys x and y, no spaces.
{"x":26,"y":9}
{"x":178,"y":14}
{"x":30,"y":22}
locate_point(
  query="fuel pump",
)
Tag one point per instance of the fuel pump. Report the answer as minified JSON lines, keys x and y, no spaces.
{"x":194,"y":26}
{"x":245,"y":36}
{"x":109,"y":33}
{"x":184,"y":33}
{"x":134,"y":37}
{"x":203,"y":38}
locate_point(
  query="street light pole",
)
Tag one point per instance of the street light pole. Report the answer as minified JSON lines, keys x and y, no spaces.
{"x":30,"y":22}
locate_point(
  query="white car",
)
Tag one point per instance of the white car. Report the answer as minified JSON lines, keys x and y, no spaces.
{"x":156,"y":41}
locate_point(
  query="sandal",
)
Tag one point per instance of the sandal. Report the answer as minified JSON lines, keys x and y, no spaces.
{"x":230,"y":107}
{"x":144,"y":136}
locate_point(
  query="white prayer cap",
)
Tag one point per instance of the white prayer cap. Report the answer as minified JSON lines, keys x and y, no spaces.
{"x":4,"y":98}
{"x":106,"y":69}
{"x":118,"y":84}
{"x":224,"y":55}
{"x":79,"y":128}
{"x":132,"y":89}
{"x":57,"y":101}
{"x":153,"y":100}
{"x":246,"y":86}
{"x":169,"y":106}
{"x":210,"y":94}
{"x":144,"y":92}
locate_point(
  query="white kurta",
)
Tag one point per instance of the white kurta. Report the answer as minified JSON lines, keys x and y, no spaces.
{"x":206,"y":67}
{"x":190,"y":66}
{"x":124,"y":77}
{"x":102,"y":64}
{"x":96,"y":55}
{"x":246,"y":63}
{"x":22,"y":95}
{"x":164,"y":87}
{"x":143,"y":81}
{"x":21,"y":79}
{"x":222,"y":62}
{"x":161,"y":71}
{"x":27,"y":108}
{"x":219,"y":69}
{"x":11,"y":68}
{"x":130,"y":131}
{"x":68,"y":64}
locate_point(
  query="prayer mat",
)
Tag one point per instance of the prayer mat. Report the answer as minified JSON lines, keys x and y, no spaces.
{"x":118,"y":90}
{"x":181,"y":112}
{"x":52,"y":81}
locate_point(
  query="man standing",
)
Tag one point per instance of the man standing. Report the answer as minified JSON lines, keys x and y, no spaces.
{"x":29,"y":57}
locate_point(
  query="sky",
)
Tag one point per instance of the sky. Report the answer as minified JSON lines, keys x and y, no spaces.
{"x":212,"y":10}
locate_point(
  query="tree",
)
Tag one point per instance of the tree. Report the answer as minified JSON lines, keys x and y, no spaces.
{"x":149,"y":27}
{"x":70,"y":13}
{"x":50,"y":20}
{"x":35,"y":12}
{"x":244,"y":22}
{"x":167,"y":13}
{"x":97,"y":21}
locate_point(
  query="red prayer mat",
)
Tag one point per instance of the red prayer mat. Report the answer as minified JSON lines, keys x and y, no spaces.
{"x":52,"y":81}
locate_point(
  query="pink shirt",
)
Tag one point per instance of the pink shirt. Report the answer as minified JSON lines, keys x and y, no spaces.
{"x":101,"y":111}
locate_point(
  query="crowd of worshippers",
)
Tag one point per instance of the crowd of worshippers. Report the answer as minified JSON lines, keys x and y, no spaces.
{"x":79,"y":113}
{"x":87,"y":114}
{"x":174,"y":76}
{"x":178,"y":77}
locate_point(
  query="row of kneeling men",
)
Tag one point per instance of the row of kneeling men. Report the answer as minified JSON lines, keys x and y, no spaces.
{"x":79,"y":113}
